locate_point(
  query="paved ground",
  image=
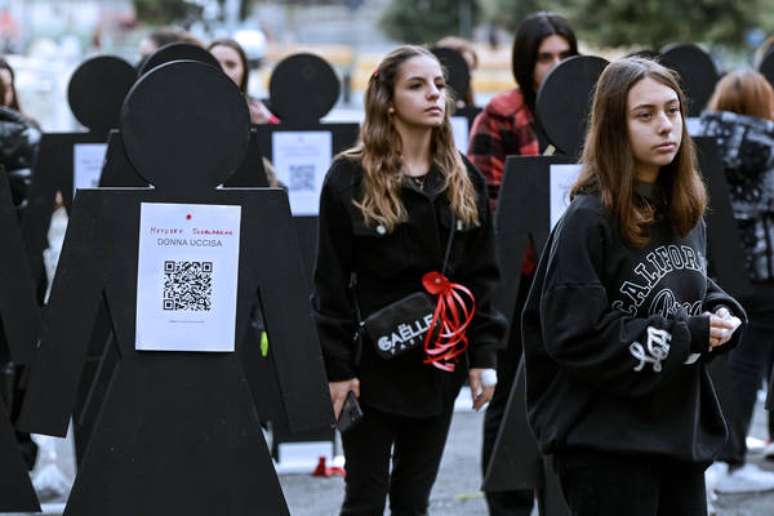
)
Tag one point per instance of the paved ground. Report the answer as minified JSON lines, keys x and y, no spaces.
{"x":456,"y":490}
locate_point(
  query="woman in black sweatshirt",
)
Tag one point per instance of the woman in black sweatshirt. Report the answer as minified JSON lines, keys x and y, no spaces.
{"x":387,"y":211}
{"x":622,"y":318}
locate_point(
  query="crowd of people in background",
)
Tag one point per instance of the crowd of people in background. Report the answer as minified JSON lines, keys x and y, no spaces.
{"x":640,"y":437}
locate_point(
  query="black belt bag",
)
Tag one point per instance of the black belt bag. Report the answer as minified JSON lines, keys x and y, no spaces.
{"x":400,"y":326}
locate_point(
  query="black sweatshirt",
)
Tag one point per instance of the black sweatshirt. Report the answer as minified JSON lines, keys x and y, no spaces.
{"x":615,"y":343}
{"x":389,"y":267}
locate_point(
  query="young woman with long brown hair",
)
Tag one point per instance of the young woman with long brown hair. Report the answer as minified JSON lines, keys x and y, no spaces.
{"x":740,"y":117}
{"x":622,"y":318}
{"x":388,"y":210}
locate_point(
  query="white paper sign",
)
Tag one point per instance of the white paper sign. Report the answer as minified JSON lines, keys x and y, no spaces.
{"x":461,"y":132}
{"x":562,"y":177}
{"x":188,"y":267}
{"x":87,"y":164}
{"x":301,"y":159}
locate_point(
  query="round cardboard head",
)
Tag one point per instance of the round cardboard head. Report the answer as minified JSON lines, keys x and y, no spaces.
{"x":185,"y":126}
{"x":457,"y":71}
{"x":177,"y":52}
{"x":698,"y":74}
{"x":767,"y":67}
{"x":303,"y":88}
{"x":564,"y":100}
{"x":97,"y":89}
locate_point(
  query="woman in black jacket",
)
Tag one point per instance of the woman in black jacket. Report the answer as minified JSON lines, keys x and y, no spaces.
{"x":740,"y":117}
{"x":19,"y":138}
{"x":622,"y":318}
{"x":387,"y":210}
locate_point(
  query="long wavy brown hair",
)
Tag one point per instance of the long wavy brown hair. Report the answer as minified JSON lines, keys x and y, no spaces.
{"x":380,"y":152}
{"x":608,"y":161}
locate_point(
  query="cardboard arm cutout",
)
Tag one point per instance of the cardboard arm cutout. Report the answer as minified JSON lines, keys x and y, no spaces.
{"x":75,"y":298}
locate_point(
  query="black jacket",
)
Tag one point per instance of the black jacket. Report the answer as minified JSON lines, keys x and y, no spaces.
{"x":19,"y":138}
{"x":389,"y":266}
{"x":611,"y":336}
{"x":746,"y":146}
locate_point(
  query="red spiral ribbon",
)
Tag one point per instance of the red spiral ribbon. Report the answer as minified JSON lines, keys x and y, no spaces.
{"x":446,"y":338}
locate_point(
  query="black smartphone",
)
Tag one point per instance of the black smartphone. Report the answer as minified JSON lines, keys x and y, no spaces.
{"x":351,"y":413}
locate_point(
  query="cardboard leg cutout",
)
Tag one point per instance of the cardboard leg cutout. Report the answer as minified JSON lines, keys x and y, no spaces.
{"x":16,"y":492}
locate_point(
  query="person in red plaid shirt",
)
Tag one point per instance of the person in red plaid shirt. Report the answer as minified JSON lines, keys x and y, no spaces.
{"x":506,"y":127}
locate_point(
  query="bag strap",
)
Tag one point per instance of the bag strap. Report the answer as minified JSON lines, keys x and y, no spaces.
{"x":449,"y":242}
{"x":357,"y":338}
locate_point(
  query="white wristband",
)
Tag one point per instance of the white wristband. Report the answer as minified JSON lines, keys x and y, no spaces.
{"x":488,"y":378}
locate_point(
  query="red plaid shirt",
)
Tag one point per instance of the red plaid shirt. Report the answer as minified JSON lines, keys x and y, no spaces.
{"x":502,"y":129}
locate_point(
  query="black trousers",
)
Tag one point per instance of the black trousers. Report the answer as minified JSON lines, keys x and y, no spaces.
{"x":747,"y":363}
{"x":605,"y":484}
{"x":415,"y":447}
{"x":518,"y":502}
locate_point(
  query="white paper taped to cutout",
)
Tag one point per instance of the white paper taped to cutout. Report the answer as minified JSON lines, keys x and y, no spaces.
{"x":187,"y":277}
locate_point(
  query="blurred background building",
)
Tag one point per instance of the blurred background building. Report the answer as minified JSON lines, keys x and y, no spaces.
{"x":46,"y":39}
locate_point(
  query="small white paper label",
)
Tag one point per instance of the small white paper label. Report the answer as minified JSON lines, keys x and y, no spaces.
{"x":460,"y":132}
{"x":188,"y":268}
{"x":87,"y":164}
{"x":562,"y":177}
{"x":301,"y":159}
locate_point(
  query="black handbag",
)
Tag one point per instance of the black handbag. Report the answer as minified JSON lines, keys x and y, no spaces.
{"x":400,"y":326}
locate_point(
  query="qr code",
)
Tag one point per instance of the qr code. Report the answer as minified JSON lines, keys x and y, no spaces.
{"x":187,"y":286}
{"x":302,"y":178}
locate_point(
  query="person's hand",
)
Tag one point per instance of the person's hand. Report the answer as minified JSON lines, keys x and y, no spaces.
{"x":339,"y":391}
{"x":482,"y":391}
{"x":722,"y":327}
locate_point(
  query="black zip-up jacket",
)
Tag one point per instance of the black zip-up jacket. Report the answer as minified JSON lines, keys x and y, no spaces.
{"x":616,"y":344}
{"x":389,"y":267}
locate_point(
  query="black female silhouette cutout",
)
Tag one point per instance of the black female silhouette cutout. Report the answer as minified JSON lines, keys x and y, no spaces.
{"x":178,"y":432}
{"x":95,"y":93}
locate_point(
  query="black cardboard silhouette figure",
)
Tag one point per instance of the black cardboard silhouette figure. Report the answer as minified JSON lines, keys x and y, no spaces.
{"x":698,"y":74}
{"x":523,"y":214}
{"x":178,"y":52}
{"x":458,"y":79}
{"x":457,"y":71}
{"x":303,"y":89}
{"x":119,"y":172}
{"x":767,"y":67}
{"x":250,"y":172}
{"x":95,"y":91}
{"x":177,"y":432}
{"x":300,"y":103}
{"x":564,"y":99}
{"x":19,"y":327}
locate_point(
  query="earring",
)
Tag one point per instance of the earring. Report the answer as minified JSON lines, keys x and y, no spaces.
{"x":391,"y":111}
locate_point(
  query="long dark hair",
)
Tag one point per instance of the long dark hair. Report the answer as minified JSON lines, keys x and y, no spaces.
{"x":4,"y":65}
{"x":608,"y":164}
{"x":230,"y":43}
{"x":531,"y":32}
